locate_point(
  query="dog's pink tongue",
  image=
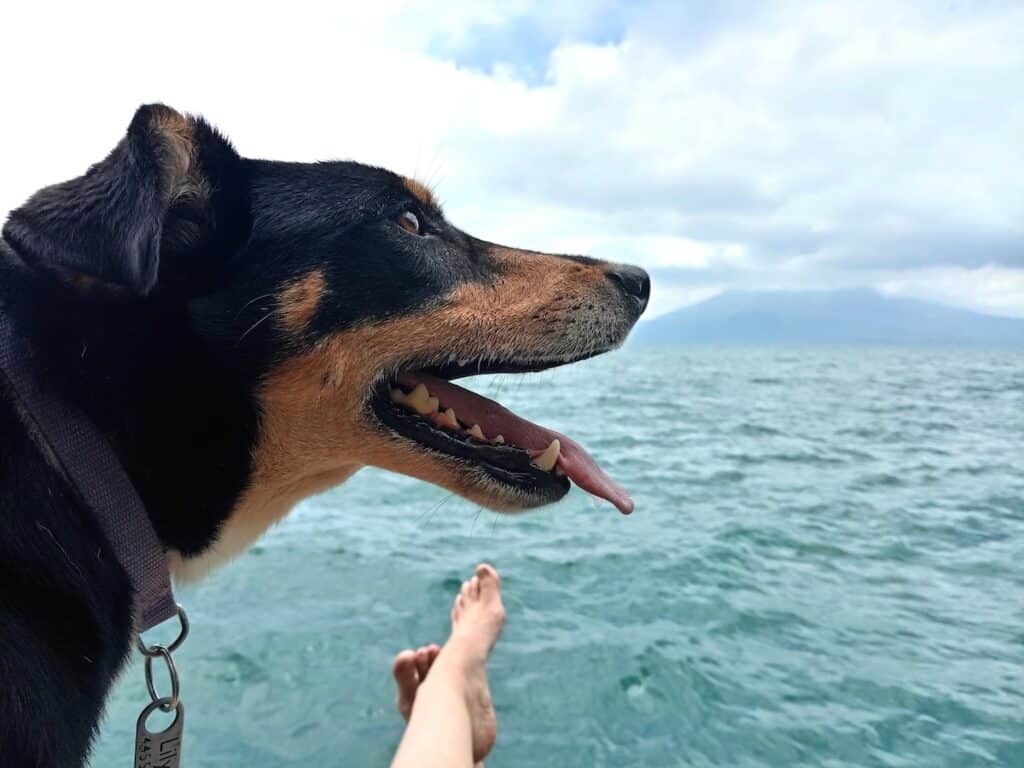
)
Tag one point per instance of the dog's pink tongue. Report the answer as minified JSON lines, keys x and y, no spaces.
{"x":494,"y":419}
{"x":584,"y":471}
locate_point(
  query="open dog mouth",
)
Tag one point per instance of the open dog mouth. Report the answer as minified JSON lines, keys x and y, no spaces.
{"x":535,"y":462}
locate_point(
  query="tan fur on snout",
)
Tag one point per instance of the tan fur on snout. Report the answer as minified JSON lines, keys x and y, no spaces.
{"x":317,"y":429}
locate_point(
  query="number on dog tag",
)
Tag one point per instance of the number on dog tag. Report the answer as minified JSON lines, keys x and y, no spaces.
{"x":161,"y":749}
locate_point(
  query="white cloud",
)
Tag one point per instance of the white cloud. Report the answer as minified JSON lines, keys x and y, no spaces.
{"x":989,"y":289}
{"x":804,"y":145}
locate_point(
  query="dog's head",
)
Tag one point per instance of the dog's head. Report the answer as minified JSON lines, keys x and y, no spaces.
{"x":349,"y":301}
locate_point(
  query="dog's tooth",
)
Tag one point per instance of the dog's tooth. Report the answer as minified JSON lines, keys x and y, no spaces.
{"x":419,"y":393}
{"x":419,"y":400}
{"x":432,"y":404}
{"x":397,"y":396}
{"x":499,"y":439}
{"x":476,"y":432}
{"x":449,"y":418}
{"x":547,"y":460}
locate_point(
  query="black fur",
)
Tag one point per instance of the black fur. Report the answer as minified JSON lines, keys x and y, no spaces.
{"x":64,"y":610}
{"x":163,"y":354}
{"x":147,"y":297}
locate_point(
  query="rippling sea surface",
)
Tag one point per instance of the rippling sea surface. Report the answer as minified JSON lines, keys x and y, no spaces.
{"x":825,"y":568}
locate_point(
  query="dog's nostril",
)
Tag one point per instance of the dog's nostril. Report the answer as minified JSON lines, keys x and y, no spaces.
{"x":634,"y":282}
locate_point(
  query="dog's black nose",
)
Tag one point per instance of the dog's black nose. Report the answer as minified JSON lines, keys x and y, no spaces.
{"x":633,"y":282}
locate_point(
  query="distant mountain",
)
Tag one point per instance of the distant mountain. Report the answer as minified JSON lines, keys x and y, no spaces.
{"x":836,"y":317}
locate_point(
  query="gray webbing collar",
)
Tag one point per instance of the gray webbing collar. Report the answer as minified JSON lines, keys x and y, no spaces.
{"x":95,"y":475}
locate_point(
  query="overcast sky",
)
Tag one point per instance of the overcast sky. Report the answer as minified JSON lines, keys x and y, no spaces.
{"x":721,"y":145}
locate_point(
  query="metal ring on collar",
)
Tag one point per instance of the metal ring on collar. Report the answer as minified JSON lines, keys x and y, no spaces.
{"x":172,"y":700}
{"x":150,"y":651}
{"x":164,"y":705}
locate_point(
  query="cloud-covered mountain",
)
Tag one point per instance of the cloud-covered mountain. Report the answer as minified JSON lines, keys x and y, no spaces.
{"x":828,"y":317}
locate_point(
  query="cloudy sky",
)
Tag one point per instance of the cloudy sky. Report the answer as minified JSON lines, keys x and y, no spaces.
{"x":722,"y":145}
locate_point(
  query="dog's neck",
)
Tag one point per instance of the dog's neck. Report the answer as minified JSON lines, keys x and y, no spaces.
{"x":181,"y":422}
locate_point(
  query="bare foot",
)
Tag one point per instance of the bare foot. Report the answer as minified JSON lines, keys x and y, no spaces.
{"x":477,"y":618}
{"x":410,"y":669}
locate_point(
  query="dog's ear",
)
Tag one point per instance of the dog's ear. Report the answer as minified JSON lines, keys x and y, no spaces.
{"x":154,"y":192}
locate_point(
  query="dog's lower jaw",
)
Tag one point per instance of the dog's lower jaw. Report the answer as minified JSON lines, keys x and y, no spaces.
{"x":259,"y":508}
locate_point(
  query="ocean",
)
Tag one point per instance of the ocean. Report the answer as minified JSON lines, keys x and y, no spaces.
{"x":825,"y":568}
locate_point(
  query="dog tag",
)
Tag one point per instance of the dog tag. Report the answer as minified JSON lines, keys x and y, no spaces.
{"x":163,"y":748}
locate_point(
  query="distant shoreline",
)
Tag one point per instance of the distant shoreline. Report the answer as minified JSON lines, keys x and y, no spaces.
{"x":838,"y":318}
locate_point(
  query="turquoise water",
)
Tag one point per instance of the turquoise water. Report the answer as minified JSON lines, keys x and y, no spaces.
{"x":825,"y":568}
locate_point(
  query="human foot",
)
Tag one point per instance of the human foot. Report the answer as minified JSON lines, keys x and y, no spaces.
{"x":477,"y":618}
{"x":410,"y":669}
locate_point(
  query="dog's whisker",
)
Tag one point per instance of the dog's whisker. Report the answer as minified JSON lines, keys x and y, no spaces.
{"x":476,"y":517}
{"x":251,"y":302}
{"x":442,"y":177}
{"x":437,"y":174}
{"x":499,"y":384}
{"x":428,"y":516}
{"x":253,"y":327}
{"x":416,"y":162}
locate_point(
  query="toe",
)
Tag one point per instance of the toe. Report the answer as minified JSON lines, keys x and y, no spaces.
{"x":422,"y":662}
{"x":490,"y":582}
{"x":486,"y":572}
{"x":406,"y":679}
{"x":474,"y":588}
{"x":404,"y":663}
{"x":431,"y":656}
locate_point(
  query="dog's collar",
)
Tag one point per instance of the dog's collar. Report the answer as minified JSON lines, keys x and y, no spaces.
{"x":94,"y":473}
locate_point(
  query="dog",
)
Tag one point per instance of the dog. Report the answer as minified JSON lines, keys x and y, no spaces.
{"x":246,"y":333}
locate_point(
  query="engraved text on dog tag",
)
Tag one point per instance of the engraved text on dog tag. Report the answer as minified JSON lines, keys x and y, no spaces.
{"x":161,"y":749}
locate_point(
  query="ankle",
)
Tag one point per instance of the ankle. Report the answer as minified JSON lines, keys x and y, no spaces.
{"x":464,"y":652}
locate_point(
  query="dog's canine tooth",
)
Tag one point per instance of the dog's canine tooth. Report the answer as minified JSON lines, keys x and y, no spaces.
{"x":449,"y":418}
{"x":547,"y":460}
{"x":397,"y":396}
{"x":499,"y":439}
{"x":433,"y":404}
{"x":476,"y":432}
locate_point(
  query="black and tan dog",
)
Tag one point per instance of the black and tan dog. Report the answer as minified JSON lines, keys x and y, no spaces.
{"x":246,"y":333}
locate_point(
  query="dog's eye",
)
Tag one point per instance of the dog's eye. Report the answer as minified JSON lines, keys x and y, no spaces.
{"x":408,"y":221}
